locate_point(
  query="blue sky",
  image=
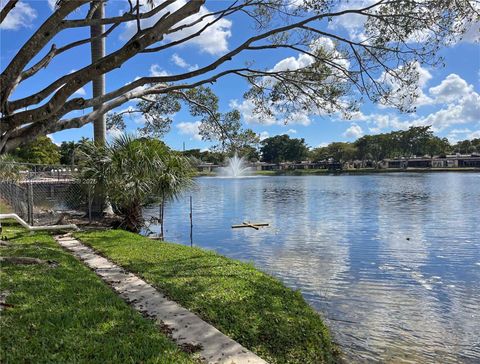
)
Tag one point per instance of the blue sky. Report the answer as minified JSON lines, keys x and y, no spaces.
{"x":449,"y":100}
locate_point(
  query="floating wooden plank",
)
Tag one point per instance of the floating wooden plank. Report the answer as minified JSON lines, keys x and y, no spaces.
{"x":250,"y":225}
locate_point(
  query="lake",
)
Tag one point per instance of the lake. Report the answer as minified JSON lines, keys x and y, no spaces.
{"x":391,"y":261}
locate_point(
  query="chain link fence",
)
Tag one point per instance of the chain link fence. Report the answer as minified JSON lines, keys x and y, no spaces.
{"x":45,"y":194}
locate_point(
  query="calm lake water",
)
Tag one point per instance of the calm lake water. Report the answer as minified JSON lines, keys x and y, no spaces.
{"x":391,"y":261}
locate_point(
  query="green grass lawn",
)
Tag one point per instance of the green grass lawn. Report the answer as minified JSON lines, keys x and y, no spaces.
{"x":65,"y":314}
{"x":253,"y":308}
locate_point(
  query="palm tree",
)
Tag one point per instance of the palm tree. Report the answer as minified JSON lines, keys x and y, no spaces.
{"x":174,"y":178}
{"x":135,"y":172}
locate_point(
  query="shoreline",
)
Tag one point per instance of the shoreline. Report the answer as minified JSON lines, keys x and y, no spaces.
{"x":326,"y":172}
{"x":250,"y":306}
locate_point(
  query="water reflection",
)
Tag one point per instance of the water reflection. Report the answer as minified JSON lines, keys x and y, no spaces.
{"x":391,"y":261}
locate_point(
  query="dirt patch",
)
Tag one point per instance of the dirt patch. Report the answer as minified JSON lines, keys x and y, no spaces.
{"x":190,"y":348}
{"x":28,"y":261}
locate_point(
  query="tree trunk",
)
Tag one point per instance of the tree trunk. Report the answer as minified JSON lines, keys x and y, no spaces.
{"x":97,"y":49}
{"x":133,"y":218}
{"x":98,"y":83}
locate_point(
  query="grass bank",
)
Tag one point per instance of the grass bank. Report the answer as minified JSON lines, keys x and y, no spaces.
{"x":65,"y":314}
{"x":253,"y":308}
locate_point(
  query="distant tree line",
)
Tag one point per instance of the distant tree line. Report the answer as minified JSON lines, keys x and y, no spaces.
{"x":44,"y":151}
{"x":417,"y":141}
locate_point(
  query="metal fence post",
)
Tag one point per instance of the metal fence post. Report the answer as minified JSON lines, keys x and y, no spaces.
{"x":30,"y":202}
{"x":89,"y":203}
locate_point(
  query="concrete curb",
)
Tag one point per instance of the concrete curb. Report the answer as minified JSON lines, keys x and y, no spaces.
{"x":187,"y":328}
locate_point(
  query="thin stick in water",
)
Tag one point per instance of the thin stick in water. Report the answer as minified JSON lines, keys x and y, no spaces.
{"x":191,"y":222}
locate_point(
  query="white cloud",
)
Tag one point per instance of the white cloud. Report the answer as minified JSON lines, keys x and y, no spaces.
{"x":80,"y":92}
{"x":358,"y":116}
{"x":323,"y":145}
{"x":180,"y":62}
{"x":354,"y":131}
{"x":191,"y":129}
{"x":462,"y":104}
{"x":353,"y":23}
{"x":304,"y":60}
{"x":52,"y":4}
{"x":247,"y":109}
{"x":474,"y":135}
{"x":472,"y":35}
{"x":458,"y":101}
{"x":387,"y":121}
{"x":21,"y":16}
{"x":460,"y":131}
{"x":292,"y":131}
{"x":456,"y":135}
{"x":296,"y":3}
{"x":157,"y":71}
{"x":212,"y":40}
{"x":300,"y":118}
{"x":292,"y":63}
{"x":452,"y":88}
{"x":264,"y":135}
{"x":465,"y":111}
{"x":404,"y":95}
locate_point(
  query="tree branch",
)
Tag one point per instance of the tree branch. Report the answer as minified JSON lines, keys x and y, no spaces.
{"x":6,"y":9}
{"x":45,"y":61}
{"x":8,"y":78}
{"x":130,"y":16}
{"x":70,"y":83}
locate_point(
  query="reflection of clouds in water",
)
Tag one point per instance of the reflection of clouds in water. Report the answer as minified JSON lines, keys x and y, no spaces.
{"x":404,"y":261}
{"x":462,"y":325}
{"x":389,"y":320}
{"x":305,"y":255}
{"x":342,"y":241}
{"x":309,"y":262}
{"x":403,"y":241}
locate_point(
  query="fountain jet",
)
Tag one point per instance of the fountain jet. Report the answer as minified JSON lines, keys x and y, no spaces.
{"x":236,"y":167}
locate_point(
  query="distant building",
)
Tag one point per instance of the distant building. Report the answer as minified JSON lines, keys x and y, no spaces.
{"x":449,"y":161}
{"x":207,"y":167}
